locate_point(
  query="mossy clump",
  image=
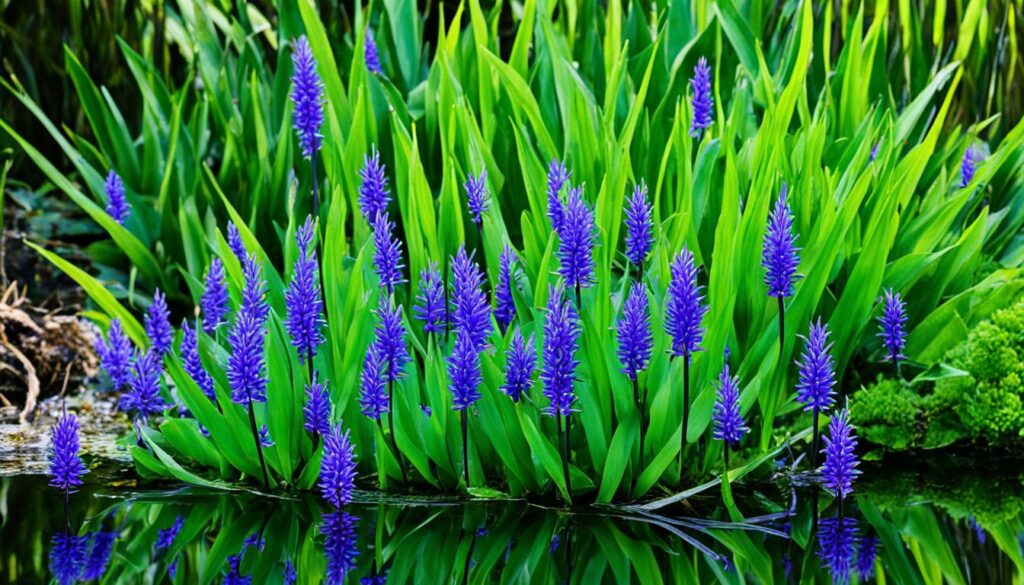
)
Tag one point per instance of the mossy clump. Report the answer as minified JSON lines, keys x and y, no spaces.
{"x":979,"y":399}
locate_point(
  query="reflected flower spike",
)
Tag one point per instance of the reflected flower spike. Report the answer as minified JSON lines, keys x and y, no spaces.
{"x":214,"y":301}
{"x":866,"y":553}
{"x":561,"y":341}
{"x":158,"y":324}
{"x":892,"y":320}
{"x":703,"y":101}
{"x":193,"y":364}
{"x":373,"y":399}
{"x":374,"y":196}
{"x":340,"y":545}
{"x":288,"y":574}
{"x":634,"y":333}
{"x":303,"y":301}
{"x":307,"y":95}
{"x":236,"y":244}
{"x":840,"y":467}
{"x":66,"y":467}
{"x":67,"y":557}
{"x":337,"y":468}
{"x":464,"y":372}
{"x":520,"y":362}
{"x":387,"y":255}
{"x":116,"y":354}
{"x":557,"y":177}
{"x":101,"y":548}
{"x":508,"y":273}
{"x":372,"y":55}
{"x":470,"y":311}
{"x":577,"y":239}
{"x":639,"y":226}
{"x":477,"y":199}
{"x":117,"y":204}
{"x":837,"y":538}
{"x":165,"y":537}
{"x":968,"y":166}
{"x":727,"y":421}
{"x":234,"y":575}
{"x":317,"y":410}
{"x":143,"y":399}
{"x":430,"y":300}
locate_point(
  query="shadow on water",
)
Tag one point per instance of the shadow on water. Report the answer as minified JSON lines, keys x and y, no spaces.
{"x":924,"y":527}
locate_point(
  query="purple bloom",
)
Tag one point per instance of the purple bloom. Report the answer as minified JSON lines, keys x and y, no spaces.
{"x":245,"y":366}
{"x":464,"y":371}
{"x":577,"y":239}
{"x":307,"y":95}
{"x":683,"y":310}
{"x":557,"y":176}
{"x":215,"y":297}
{"x":266,"y":441}
{"x":158,"y":324}
{"x":866,"y":553}
{"x":234,"y":575}
{"x":289,"y":573}
{"x":254,"y":540}
{"x":67,"y":557}
{"x":508,"y":272}
{"x":476,"y":196}
{"x":116,"y":354}
{"x":340,"y":545}
{"x":193,"y":364}
{"x":172,"y":568}
{"x":303,"y":301}
{"x":968,"y":166}
{"x":101,"y":546}
{"x":639,"y":226}
{"x":373,"y":192}
{"x":165,"y":537}
{"x":430,"y":300}
{"x":373,"y":399}
{"x":66,"y":467}
{"x":390,"y":340}
{"x":387,"y":255}
{"x":779,"y":256}
{"x":726,"y":417}
{"x":371,"y":54}
{"x":556,"y":540}
{"x":840,"y":467}
{"x":519,"y":364}
{"x":337,"y":468}
{"x":317,"y":410}
{"x":634,"y":333}
{"x":894,"y":316}
{"x":979,"y":532}
{"x":874,"y":152}
{"x":817,"y":376}
{"x":470,"y":311}
{"x":117,"y":205}
{"x":703,"y":101}
{"x":143,"y":399}
{"x":561,"y":340}
{"x":837,"y":538}
{"x":236,"y":244}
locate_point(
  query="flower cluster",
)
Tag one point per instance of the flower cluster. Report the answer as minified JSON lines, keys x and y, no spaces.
{"x":246,"y":364}
{"x":193,"y":364}
{"x":476,"y":197}
{"x":577,"y":238}
{"x":561,"y":340}
{"x":639,"y":226}
{"x":317,"y":411}
{"x":840,"y":467}
{"x":703,"y":101}
{"x":117,"y":204}
{"x":66,"y":467}
{"x":143,"y":399}
{"x":214,"y":301}
{"x":779,"y":255}
{"x":520,"y":362}
{"x":891,"y":322}
{"x":303,"y":300}
{"x":158,"y":325}
{"x":817,"y":370}
{"x":430,"y":300}
{"x":508,"y":273}
{"x":307,"y":95}
{"x":726,"y":417}
{"x":684,"y":309}
{"x":116,"y":354}
{"x":636,"y":341}
{"x":337,"y":468}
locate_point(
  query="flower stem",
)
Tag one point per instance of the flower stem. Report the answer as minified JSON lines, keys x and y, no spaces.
{"x":465,"y":447}
{"x":782,"y":326}
{"x":640,"y":409}
{"x":686,"y":408}
{"x":563,"y":435}
{"x":259,"y":447}
{"x":391,"y":426}
{"x":814,"y":441}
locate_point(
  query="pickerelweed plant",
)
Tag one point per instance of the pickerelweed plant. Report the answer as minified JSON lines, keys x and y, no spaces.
{"x":560,"y":131}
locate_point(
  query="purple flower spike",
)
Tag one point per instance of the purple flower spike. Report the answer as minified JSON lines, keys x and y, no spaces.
{"x":117,"y":205}
{"x":578,"y":237}
{"x":245,"y":366}
{"x":215,"y":297}
{"x":193,"y":364}
{"x":817,"y":375}
{"x":101,"y":547}
{"x":143,"y":399}
{"x":728,"y":422}
{"x":634,"y":333}
{"x":476,"y":197}
{"x":508,"y":273}
{"x":116,"y":354}
{"x":837,"y":537}
{"x":67,"y":557}
{"x":266,"y":441}
{"x":464,"y":371}
{"x":373,"y":398}
{"x":866,"y":553}
{"x":303,"y":299}
{"x":430,"y":300}
{"x":779,"y":256}
{"x":684,"y":309}
{"x":703,"y":101}
{"x":373,"y":193}
{"x":307,"y":95}
{"x":66,"y":467}
{"x":166,"y":536}
{"x":372,"y":55}
{"x":387,"y":255}
{"x":892,"y":320}
{"x":639,"y":226}
{"x":561,"y":340}
{"x":337,"y":468}
{"x":158,"y":324}
{"x":557,"y":177}
{"x":840,"y":467}
{"x":390,"y":340}
{"x":234,"y":575}
{"x":968,"y":166}
{"x":340,"y":546}
{"x":288,"y":574}
{"x":520,"y":362}
{"x":470,"y":310}
{"x":317,"y":411}
{"x":236,"y":244}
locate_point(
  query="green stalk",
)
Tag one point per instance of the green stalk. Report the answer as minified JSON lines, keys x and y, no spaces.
{"x":686,"y":408}
{"x":259,"y":447}
{"x":563,"y":436}
{"x":782,"y":326}
{"x":640,"y":409}
{"x":465,"y":446}
{"x":391,"y":425}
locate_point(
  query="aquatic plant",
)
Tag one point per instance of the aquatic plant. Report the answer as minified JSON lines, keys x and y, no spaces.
{"x":779,"y":257}
{"x":702,"y":101}
{"x":215,"y":299}
{"x":684,"y":312}
{"x":337,"y":468}
{"x":520,"y":361}
{"x":117,"y":204}
{"x":303,"y":299}
{"x":817,"y":377}
{"x":374,"y":195}
{"x":66,"y":467}
{"x":158,"y":325}
{"x":891,"y":322}
{"x":430,"y":301}
{"x":116,"y":354}
{"x":639,"y":227}
{"x":840,"y":466}
{"x":837,"y":540}
{"x":477,"y":198}
{"x":508,"y":275}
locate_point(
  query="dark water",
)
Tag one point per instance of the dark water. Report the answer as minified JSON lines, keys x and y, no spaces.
{"x":933,"y":523}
